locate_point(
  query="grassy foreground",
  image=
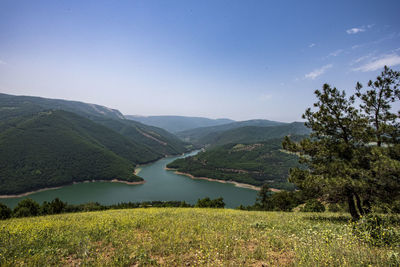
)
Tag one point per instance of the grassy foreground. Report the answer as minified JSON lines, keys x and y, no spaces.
{"x":187,"y":237}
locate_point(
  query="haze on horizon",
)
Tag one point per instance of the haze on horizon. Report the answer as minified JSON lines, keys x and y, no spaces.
{"x":218,"y":59}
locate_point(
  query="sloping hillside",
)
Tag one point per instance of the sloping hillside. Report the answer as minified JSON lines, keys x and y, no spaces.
{"x":176,"y":124}
{"x":55,"y":148}
{"x":239,"y":132}
{"x":83,"y":109}
{"x":251,"y":134}
{"x":254,"y":163}
{"x":151,"y":142}
{"x":196,"y":135}
{"x":157,"y":140}
{"x":187,"y":237}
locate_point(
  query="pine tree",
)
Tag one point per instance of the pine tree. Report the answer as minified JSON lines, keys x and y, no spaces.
{"x":352,"y":153}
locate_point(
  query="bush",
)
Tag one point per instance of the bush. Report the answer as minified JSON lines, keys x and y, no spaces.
{"x":313,"y":205}
{"x":5,"y":212}
{"x":26,"y":208}
{"x":376,"y":230}
{"x":208,"y":203}
{"x":54,"y":207}
{"x":333,"y":207}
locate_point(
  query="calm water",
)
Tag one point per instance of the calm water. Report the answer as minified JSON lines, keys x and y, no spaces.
{"x":160,"y":185}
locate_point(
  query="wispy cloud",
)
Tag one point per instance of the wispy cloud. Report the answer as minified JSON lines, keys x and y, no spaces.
{"x":318,"y":72}
{"x":355,"y":30}
{"x":2,"y":62}
{"x":311,"y":45}
{"x":335,"y":53}
{"x":387,"y":37}
{"x":360,"y":59}
{"x":378,"y":63}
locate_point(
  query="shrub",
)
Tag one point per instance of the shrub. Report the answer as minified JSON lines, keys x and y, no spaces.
{"x":333,"y":207}
{"x":54,"y":207}
{"x":26,"y":208}
{"x":313,"y":205}
{"x":5,"y":212}
{"x":210,"y":203}
{"x":376,"y":230}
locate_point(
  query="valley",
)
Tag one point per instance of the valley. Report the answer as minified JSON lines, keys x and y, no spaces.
{"x":51,"y":143}
{"x":160,"y":185}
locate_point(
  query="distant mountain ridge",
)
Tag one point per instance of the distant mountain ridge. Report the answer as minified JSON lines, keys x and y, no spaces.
{"x":251,"y":134}
{"x":205,"y":135}
{"x":176,"y":124}
{"x":152,"y":142}
{"x":81,"y":108}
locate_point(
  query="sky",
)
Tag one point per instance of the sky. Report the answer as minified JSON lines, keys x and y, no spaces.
{"x":219,"y":59}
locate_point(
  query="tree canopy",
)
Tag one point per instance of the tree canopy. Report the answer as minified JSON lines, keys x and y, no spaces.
{"x":353,"y":152}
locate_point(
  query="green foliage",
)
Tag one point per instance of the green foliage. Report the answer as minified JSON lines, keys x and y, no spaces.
{"x":313,"y":205}
{"x":56,"y":206}
{"x":353,"y":153}
{"x":145,"y":143}
{"x":5,"y":212}
{"x":29,"y":208}
{"x":243,"y":132}
{"x":282,"y":201}
{"x":334,"y":207}
{"x":377,"y":230}
{"x":18,"y":104}
{"x":255,"y":164}
{"x":151,"y":143}
{"x":277,"y":201}
{"x":26,"y":208}
{"x":210,"y":203}
{"x":55,"y":148}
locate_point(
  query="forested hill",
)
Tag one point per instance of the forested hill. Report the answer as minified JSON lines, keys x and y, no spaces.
{"x":54,"y":148}
{"x":83,"y":109}
{"x":49,"y":142}
{"x":151,"y":142}
{"x":243,"y":132}
{"x":175,"y":124}
{"x":255,"y":164}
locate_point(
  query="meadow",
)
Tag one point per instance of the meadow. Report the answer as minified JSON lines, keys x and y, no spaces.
{"x":188,"y":237}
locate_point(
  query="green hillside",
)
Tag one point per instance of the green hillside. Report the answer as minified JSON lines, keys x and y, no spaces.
{"x":83,"y":109}
{"x":207,"y":135}
{"x":152,"y":139}
{"x":176,"y":124}
{"x":151,"y":142}
{"x":55,"y":148}
{"x":187,"y":237}
{"x":254,"y":163}
{"x":250,"y":134}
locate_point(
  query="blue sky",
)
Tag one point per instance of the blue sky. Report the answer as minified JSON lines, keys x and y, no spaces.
{"x":233,"y":59}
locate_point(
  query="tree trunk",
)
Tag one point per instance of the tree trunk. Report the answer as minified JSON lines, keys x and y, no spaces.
{"x":359,"y":205}
{"x":352,"y":207}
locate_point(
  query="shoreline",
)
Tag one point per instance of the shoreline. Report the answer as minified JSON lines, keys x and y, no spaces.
{"x":139,"y":167}
{"x":137,"y":170}
{"x":237,"y":184}
{"x":58,"y":187}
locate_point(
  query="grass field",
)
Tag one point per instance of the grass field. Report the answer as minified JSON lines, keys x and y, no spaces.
{"x":187,"y":237}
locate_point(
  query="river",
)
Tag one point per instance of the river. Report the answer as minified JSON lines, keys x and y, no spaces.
{"x":160,"y":185}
